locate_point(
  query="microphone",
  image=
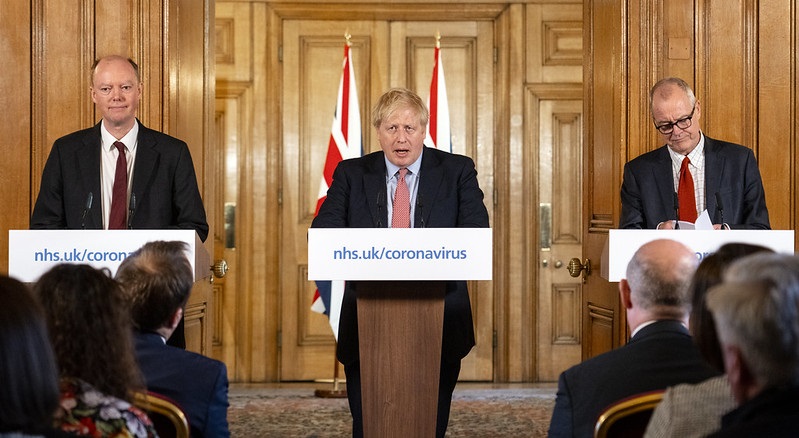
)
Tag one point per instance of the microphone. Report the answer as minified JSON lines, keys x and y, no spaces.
{"x":86,"y":210}
{"x":676,"y":212}
{"x":131,"y":210}
{"x":419,"y":210}
{"x":381,"y":194}
{"x":720,"y":208}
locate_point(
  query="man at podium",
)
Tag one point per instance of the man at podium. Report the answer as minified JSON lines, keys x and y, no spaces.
{"x":405,"y":185}
{"x":119,"y":174}
{"x":691,"y":173}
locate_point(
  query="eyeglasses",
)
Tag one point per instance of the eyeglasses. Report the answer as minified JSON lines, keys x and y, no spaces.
{"x":683,"y":123}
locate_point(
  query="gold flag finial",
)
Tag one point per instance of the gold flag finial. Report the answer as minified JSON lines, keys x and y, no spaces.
{"x":347,"y":37}
{"x":438,"y":40}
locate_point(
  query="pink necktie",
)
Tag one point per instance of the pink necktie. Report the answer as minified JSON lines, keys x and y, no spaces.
{"x":401,"y":215}
{"x":119,"y":197}
{"x":685,"y":192}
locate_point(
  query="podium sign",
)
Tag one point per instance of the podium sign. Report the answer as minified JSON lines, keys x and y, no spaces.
{"x":31,"y":253}
{"x":622,"y":244}
{"x":399,"y":254}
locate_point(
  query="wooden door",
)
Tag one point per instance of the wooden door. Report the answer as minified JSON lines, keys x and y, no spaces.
{"x":384,"y":55}
{"x":559,"y":297}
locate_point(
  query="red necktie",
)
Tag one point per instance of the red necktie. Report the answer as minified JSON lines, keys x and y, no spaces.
{"x":119,"y":197}
{"x":685,"y":192}
{"x":401,"y":214}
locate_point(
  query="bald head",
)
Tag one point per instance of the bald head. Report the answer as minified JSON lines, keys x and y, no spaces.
{"x":658,"y":276}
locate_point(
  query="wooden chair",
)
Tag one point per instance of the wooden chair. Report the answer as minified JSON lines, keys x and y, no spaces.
{"x":628,"y":417}
{"x":169,"y":420}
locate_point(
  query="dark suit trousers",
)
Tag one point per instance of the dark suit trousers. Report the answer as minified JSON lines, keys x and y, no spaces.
{"x":446,"y":385}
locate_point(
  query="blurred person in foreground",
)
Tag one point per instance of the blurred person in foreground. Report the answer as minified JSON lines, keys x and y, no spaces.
{"x":362,"y":195}
{"x":660,"y":352}
{"x":30,"y":394}
{"x":91,"y":333}
{"x":157,"y":279}
{"x":756,"y":311}
{"x":695,"y":410}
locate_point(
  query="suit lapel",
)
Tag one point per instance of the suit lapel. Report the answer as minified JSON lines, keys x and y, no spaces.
{"x":374,"y":184}
{"x":664,"y":178}
{"x":430,"y":178}
{"x":714,"y":166}
{"x":146,"y":162}
{"x":87,"y":158}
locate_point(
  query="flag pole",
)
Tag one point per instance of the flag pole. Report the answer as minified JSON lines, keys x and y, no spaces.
{"x":338,"y":391}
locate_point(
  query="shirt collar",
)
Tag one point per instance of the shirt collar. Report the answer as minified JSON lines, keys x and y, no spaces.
{"x":129,"y":139}
{"x":392,"y":169}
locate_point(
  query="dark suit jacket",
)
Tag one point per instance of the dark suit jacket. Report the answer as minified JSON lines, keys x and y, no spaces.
{"x":773,"y":413}
{"x":647,"y":192}
{"x":163,"y":181}
{"x":661,"y":354}
{"x":197,"y":383}
{"x":448,"y":196}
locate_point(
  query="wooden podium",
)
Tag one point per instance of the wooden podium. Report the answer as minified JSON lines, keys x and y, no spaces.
{"x":401,"y":278}
{"x":400,"y":324}
{"x":33,"y":252}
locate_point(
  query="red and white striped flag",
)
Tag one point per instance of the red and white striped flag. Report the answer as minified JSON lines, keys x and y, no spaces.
{"x":438,"y":133}
{"x":344,"y":143}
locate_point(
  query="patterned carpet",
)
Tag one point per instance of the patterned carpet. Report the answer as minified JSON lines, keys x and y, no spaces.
{"x":477,"y":411}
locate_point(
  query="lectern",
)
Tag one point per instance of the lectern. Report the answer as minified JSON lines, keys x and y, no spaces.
{"x":32,"y":252}
{"x":622,"y":244}
{"x":400,"y":279}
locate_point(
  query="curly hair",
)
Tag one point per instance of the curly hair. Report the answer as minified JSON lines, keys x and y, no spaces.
{"x":90,"y":328}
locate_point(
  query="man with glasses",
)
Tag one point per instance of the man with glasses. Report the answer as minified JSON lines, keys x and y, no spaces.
{"x":691,"y":172}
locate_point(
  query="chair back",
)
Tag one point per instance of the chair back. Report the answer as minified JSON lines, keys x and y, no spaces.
{"x":628,"y":417}
{"x":168,"y":418}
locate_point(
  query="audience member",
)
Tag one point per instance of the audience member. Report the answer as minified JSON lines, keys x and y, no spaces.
{"x":28,"y":370}
{"x":756,"y":311}
{"x":660,"y":352}
{"x":696,"y":409}
{"x":157,"y":280}
{"x":90,"y":330}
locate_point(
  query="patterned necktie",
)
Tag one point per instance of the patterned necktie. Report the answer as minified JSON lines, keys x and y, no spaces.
{"x":119,"y":197}
{"x":401,"y":215}
{"x":685,"y":192}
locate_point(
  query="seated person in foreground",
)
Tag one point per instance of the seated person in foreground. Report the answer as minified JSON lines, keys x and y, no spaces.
{"x":90,"y":331}
{"x":660,"y":352}
{"x":756,"y":311}
{"x":157,"y":280}
{"x":695,"y":410}
{"x":30,"y":395}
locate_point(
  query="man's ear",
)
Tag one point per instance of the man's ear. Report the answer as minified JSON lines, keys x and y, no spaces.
{"x":624,"y":294}
{"x":175,"y":319}
{"x":738,"y":373}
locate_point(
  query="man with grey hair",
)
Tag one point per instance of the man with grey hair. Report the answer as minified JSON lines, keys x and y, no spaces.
{"x":691,"y":172}
{"x":756,"y":311}
{"x":660,"y":352}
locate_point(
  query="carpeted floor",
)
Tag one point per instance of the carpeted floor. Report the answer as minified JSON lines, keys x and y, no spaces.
{"x":477,"y":411}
